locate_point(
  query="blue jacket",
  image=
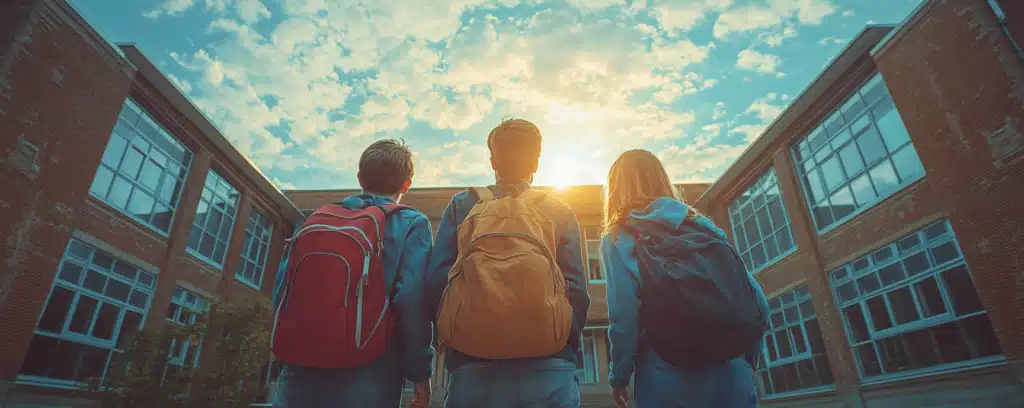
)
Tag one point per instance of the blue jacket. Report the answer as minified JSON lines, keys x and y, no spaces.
{"x":568,"y":255}
{"x":623,"y":289}
{"x":407,"y":244}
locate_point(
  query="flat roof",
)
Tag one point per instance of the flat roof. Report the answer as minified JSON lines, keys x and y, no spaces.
{"x":862,"y":45}
{"x":182,"y":103}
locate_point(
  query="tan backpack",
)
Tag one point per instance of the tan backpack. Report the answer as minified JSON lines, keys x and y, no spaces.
{"x":506,"y":297}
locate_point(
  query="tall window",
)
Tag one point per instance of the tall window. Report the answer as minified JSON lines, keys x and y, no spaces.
{"x":96,"y":305}
{"x":760,"y":225}
{"x":185,"y":307}
{"x":143,"y":169}
{"x":911,"y":306}
{"x":860,"y":155}
{"x":254,"y":254}
{"x":215,"y":217}
{"x":795,"y":358}
{"x":592,"y":239}
{"x":586,"y":358}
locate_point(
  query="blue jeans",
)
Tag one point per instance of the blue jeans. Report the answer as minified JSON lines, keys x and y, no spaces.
{"x":374,"y":385}
{"x":726,"y":385}
{"x":546,"y":383}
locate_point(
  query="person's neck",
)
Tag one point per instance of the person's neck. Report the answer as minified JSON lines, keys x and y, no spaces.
{"x":394,"y":197}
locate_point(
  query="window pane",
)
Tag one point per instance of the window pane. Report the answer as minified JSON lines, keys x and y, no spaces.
{"x":892,"y":274}
{"x":961,"y":290}
{"x":799,"y":343}
{"x":952,"y":344}
{"x":869,"y":360}
{"x":917,"y":263}
{"x":56,"y":311}
{"x":813,"y":180}
{"x":785,"y":239}
{"x":842,"y":203}
{"x":983,"y":339}
{"x":101,"y":183}
{"x":879,"y":313}
{"x":891,"y":125}
{"x":132,"y":163}
{"x":105,"y":321}
{"x":119,"y":192}
{"x":847,"y":291}
{"x":884,"y":177}
{"x":868,"y":284}
{"x":852,"y":162}
{"x":945,"y":253}
{"x":863,"y":191}
{"x":84,"y":312}
{"x":871,"y":146}
{"x":903,"y":307}
{"x":70,"y":272}
{"x":858,"y":326}
{"x":930,"y":298}
{"x":814,"y":336}
{"x":908,"y":165}
{"x":833,"y":174}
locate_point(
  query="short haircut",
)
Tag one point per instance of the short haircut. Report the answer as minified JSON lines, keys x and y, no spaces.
{"x":384,"y":167}
{"x":515,"y":147}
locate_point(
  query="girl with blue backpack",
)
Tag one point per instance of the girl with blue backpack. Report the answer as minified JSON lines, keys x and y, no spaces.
{"x":685,"y":316}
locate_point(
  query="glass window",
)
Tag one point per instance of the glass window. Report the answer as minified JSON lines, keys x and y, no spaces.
{"x":254,"y":253}
{"x":143,"y":169}
{"x":215,"y":217}
{"x":914,"y":307}
{"x":760,"y":225}
{"x":186,"y":306}
{"x":96,"y":305}
{"x":866,"y":156}
{"x":586,"y":357}
{"x":795,"y":358}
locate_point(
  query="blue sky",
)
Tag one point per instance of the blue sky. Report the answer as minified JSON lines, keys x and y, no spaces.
{"x":302,"y":86}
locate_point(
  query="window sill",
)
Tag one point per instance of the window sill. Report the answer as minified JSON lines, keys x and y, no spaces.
{"x":778,"y":259}
{"x":897,"y":192}
{"x":195,"y":254}
{"x":46,"y":382}
{"x":246,"y":282}
{"x":144,"y":227}
{"x":799,"y":394}
{"x":930,"y":374}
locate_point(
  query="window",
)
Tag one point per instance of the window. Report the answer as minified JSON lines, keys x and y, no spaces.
{"x":254,"y":254}
{"x":911,"y":307}
{"x":185,"y":307}
{"x":215,"y":217}
{"x":586,"y":358}
{"x":143,"y":169}
{"x":592,"y":238}
{"x":760,"y":226}
{"x":96,"y":305}
{"x":794,"y":357}
{"x":860,"y":155}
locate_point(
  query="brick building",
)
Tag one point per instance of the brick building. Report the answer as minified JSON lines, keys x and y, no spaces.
{"x":881,"y":214}
{"x":121,"y":206}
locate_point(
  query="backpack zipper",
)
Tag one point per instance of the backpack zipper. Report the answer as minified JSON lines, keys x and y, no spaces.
{"x":376,"y":226}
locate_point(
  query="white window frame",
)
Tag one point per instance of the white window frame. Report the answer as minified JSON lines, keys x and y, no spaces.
{"x":592,"y":240}
{"x":750,"y":199}
{"x":901,"y":250}
{"x":196,"y":304}
{"x":590,"y":373}
{"x":262,"y":243}
{"x":155,"y":155}
{"x":802,"y":150}
{"x":215,"y":187}
{"x":86,"y":261}
{"x":795,"y":299}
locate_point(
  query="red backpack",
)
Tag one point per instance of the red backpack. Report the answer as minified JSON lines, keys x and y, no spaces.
{"x":335,"y":306}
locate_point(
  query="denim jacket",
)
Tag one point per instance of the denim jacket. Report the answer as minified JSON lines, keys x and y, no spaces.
{"x":407,"y":244}
{"x":623,"y":289}
{"x":568,"y":256}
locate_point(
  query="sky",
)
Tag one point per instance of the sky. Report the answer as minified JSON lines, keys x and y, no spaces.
{"x":301,"y":87}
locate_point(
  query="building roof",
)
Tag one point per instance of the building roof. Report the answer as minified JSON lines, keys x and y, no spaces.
{"x":585,"y":200}
{"x":180,"y":102}
{"x":780,"y":128}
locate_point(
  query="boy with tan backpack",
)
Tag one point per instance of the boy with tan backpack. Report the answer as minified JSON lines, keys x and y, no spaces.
{"x":506,"y":282}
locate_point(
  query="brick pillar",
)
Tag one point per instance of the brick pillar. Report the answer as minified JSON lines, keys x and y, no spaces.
{"x":841,"y":358}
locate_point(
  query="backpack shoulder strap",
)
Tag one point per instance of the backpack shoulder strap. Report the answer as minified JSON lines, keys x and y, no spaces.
{"x":483,"y":193}
{"x":390,"y":208}
{"x":533,"y":195}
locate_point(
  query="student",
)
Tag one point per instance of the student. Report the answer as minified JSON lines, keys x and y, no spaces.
{"x":506,"y":283}
{"x":700,"y":330}
{"x":350,"y":325}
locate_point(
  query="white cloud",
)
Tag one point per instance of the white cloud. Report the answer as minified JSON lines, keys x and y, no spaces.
{"x":764,"y":109}
{"x":848,"y":13}
{"x":755,"y":61}
{"x":775,"y":38}
{"x":283,"y":185}
{"x":678,"y":16}
{"x":831,"y":40}
{"x":769,"y":13}
{"x":169,"y":8}
{"x":751,"y":131}
{"x":250,"y":11}
{"x":720,"y":111}
{"x":696,"y":164}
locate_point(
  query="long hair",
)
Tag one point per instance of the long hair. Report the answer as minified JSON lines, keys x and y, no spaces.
{"x":636,"y":179}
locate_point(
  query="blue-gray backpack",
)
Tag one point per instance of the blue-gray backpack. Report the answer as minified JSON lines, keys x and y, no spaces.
{"x":697,"y":303}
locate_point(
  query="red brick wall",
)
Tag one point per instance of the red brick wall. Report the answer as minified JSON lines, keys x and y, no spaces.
{"x":960,"y":87}
{"x":1014,"y":10}
{"x":62,"y":96}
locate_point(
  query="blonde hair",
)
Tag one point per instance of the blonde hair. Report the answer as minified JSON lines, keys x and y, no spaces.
{"x":635,"y":180}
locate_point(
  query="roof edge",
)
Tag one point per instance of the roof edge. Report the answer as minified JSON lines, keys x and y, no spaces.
{"x":867,"y":38}
{"x":182,"y":103}
{"x":919,"y":12}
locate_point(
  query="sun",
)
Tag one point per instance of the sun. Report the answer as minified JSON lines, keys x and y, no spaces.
{"x":561,"y":170}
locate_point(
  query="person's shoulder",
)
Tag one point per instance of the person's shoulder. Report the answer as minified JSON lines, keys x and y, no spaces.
{"x":552,"y":203}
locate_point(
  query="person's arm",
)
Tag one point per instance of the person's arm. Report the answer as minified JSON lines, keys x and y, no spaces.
{"x":442,"y":257}
{"x":623,"y":294}
{"x":569,"y":256}
{"x":413,"y":322}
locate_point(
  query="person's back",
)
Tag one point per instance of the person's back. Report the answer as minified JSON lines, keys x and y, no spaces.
{"x":514,"y":254}
{"x":391,"y":340}
{"x":641,"y":204}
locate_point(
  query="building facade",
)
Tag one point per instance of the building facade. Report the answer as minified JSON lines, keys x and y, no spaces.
{"x":121,"y":207}
{"x":880,"y":213}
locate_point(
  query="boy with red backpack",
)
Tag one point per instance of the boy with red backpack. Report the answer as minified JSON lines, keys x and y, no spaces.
{"x":350,"y":324}
{"x":507,"y":286}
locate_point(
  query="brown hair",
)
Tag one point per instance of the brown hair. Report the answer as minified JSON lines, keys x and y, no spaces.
{"x":385,"y":166}
{"x":636,"y":179}
{"x":515,"y":148}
